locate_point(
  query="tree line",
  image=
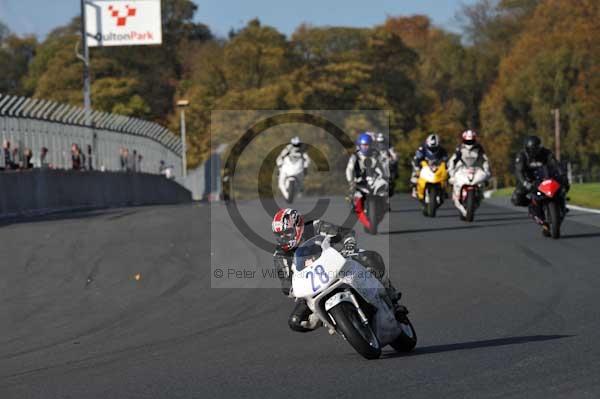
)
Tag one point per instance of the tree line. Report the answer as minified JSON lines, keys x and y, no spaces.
{"x":515,"y":62}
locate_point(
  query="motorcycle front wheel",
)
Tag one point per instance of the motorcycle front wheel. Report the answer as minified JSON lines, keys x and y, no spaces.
{"x":431,"y":206}
{"x":470,"y":206}
{"x":372,"y":214}
{"x":407,"y":340}
{"x":291,"y":191}
{"x":360,"y":336}
{"x":553,"y":219}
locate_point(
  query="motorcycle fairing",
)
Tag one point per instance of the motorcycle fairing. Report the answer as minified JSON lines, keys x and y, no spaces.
{"x":549,"y":187}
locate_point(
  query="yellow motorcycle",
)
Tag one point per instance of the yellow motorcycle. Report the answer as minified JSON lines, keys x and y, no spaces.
{"x":431,"y":185}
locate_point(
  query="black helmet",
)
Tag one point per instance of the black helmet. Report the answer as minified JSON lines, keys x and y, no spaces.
{"x":533,"y":145}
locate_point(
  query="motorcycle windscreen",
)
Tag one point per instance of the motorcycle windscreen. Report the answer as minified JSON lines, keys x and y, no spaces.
{"x":313,"y":275}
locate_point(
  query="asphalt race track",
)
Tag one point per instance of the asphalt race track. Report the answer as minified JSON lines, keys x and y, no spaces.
{"x":119,"y":304}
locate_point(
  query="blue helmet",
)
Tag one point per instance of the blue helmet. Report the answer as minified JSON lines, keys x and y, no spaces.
{"x":364,"y":143}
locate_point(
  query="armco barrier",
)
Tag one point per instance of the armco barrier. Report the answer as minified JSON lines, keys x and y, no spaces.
{"x":44,"y":191}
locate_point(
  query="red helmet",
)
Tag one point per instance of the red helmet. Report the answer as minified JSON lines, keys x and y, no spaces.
{"x":469,"y":137}
{"x":288,"y":226}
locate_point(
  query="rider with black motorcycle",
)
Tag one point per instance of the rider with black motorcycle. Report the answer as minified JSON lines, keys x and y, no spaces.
{"x":291,"y":231}
{"x":528,"y":165}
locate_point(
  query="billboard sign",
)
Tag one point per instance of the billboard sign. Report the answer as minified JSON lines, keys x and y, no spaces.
{"x":123,"y":23}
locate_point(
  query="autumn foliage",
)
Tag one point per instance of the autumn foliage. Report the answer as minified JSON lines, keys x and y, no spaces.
{"x":515,"y":62}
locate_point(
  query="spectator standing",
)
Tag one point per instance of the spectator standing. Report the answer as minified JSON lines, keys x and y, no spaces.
{"x":8,"y":160}
{"x":76,"y":157}
{"x":123,"y":159}
{"x":126,"y":167}
{"x":82,"y":155}
{"x":130,"y":161}
{"x":43,"y":155}
{"x":134,"y":161}
{"x":139,"y":162}
{"x":16,"y":158}
{"x":27,"y":164}
{"x":90,"y":163}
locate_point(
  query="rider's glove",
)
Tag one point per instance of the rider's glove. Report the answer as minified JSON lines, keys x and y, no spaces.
{"x":349,"y":246}
{"x":528,"y":185}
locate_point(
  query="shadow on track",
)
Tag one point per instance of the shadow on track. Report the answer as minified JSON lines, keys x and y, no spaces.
{"x":490,"y":343}
{"x":59,"y":215}
{"x":522,"y":217}
{"x":451,"y":228}
{"x":478,"y":214}
{"x":583,"y":235}
{"x":405,"y":210}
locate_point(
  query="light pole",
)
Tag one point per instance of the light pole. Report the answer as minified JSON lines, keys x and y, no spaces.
{"x":85,"y":58}
{"x":182,"y":105}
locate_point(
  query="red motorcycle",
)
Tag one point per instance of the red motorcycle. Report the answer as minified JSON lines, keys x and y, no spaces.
{"x":370,"y":199}
{"x":547,"y":208}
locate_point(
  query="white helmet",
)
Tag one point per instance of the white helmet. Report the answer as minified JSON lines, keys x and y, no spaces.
{"x":380,"y":138}
{"x":295,"y":141}
{"x":432,"y":142}
{"x":469,"y":137}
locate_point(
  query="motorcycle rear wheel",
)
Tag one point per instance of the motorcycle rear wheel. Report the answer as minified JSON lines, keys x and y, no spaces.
{"x":361,"y":337}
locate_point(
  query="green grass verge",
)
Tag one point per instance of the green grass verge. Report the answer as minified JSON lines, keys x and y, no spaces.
{"x":503,"y":192}
{"x":585,"y":194}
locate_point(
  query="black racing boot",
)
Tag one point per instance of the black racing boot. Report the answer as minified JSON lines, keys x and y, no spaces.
{"x":546,"y":230}
{"x":299,"y":319}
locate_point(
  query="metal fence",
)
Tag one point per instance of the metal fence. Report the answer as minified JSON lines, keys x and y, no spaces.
{"x":34,"y":123}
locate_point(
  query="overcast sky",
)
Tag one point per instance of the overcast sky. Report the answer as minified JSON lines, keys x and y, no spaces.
{"x":41,"y":16}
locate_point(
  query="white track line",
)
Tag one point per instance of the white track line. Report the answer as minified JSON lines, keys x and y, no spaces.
{"x":582,"y":209}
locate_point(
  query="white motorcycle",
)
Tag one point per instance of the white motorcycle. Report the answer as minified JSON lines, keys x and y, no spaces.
{"x":291,"y":176}
{"x":348,"y":299}
{"x":468,"y":183}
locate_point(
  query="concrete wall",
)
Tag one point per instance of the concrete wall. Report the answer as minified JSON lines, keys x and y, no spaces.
{"x":41,"y":191}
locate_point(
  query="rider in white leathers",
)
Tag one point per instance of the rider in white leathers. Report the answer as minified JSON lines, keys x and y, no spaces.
{"x":292,"y":161}
{"x":469,"y":154}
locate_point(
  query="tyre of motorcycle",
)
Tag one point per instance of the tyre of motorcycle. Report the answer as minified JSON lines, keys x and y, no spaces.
{"x":553,"y":218}
{"x":372,"y":210}
{"x":431,"y":206}
{"x":291,"y":191}
{"x":470,"y":204}
{"x":407,"y":340}
{"x":360,"y":336}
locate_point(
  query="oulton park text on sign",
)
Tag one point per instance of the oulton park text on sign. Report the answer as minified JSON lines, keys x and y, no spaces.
{"x":123,"y":23}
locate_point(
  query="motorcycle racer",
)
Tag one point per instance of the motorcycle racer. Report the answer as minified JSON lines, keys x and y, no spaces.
{"x":356,"y":168}
{"x":295,"y":152}
{"x":470,"y":153}
{"x":389,"y":160}
{"x":432,"y":150}
{"x":528,"y":162}
{"x":291,"y":230}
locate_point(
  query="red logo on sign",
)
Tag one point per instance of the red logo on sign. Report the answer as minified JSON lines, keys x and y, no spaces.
{"x":122,"y":20}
